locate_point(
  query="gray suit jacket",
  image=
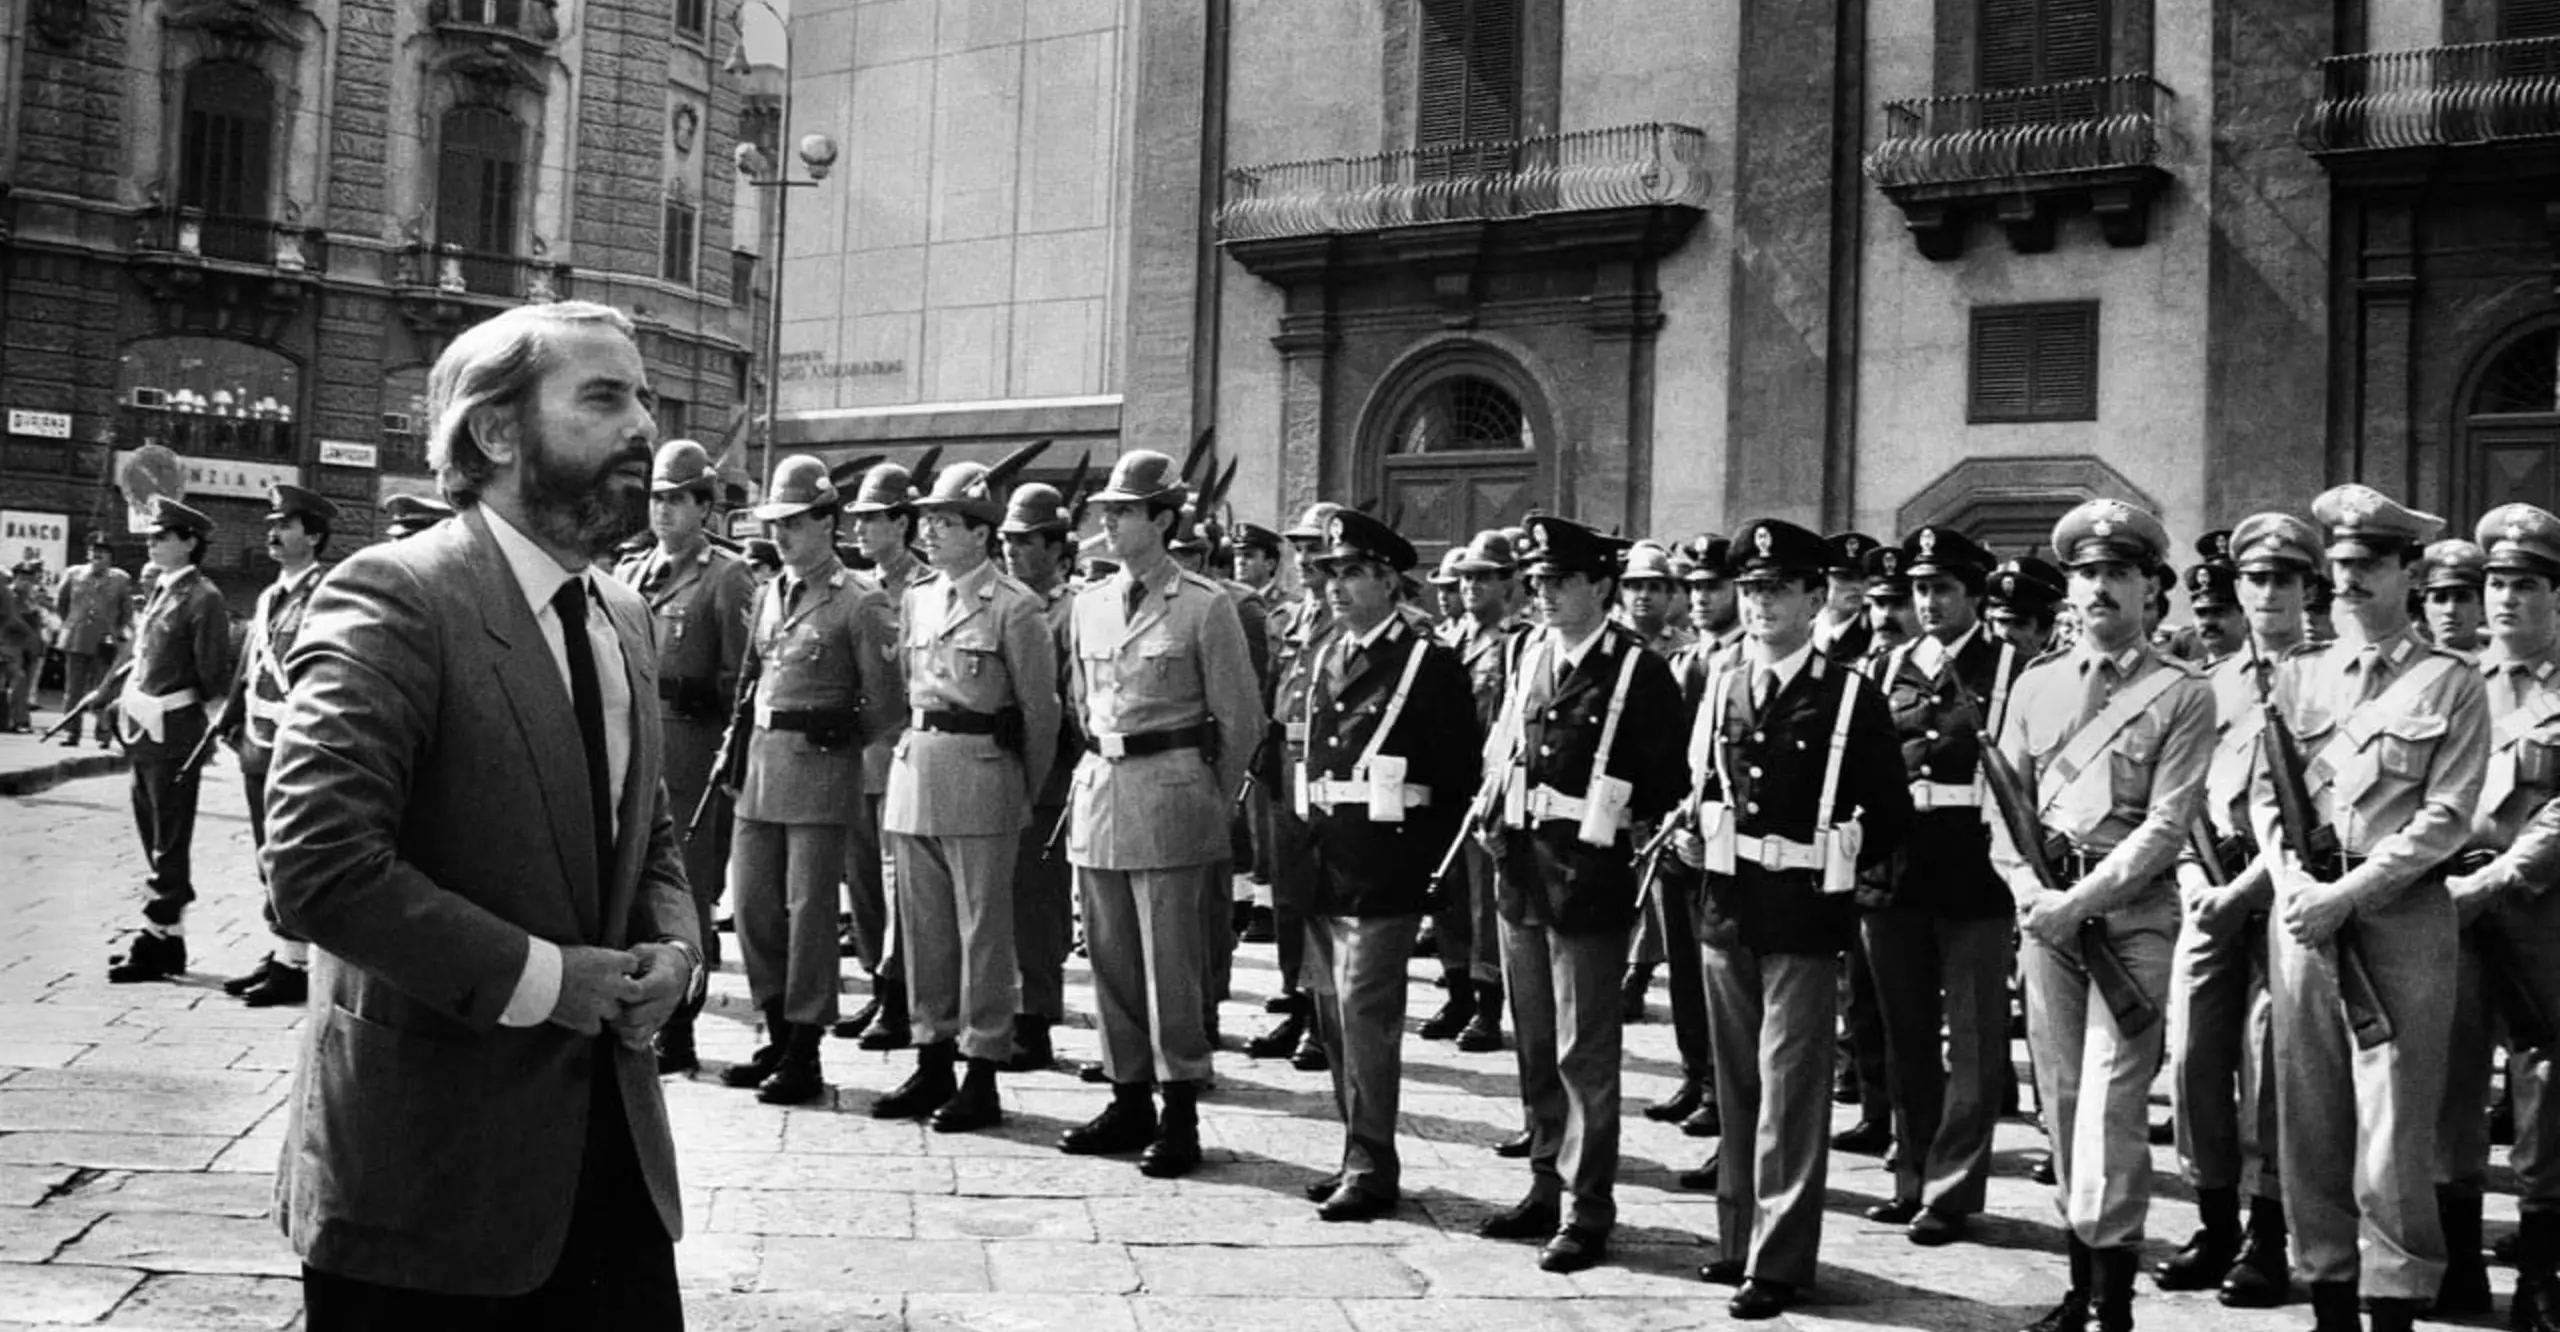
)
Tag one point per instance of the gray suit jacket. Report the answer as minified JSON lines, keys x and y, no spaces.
{"x":427,"y":817}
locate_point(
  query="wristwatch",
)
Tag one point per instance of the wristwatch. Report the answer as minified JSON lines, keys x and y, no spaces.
{"x":698,"y":978}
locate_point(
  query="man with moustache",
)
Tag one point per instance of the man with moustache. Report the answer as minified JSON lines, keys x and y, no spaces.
{"x":181,"y":663}
{"x":823,"y":651}
{"x":2453,"y":574}
{"x":2399,"y":734}
{"x":96,"y":607}
{"x":1579,"y":767}
{"x":465,"y":819}
{"x":1390,"y":756}
{"x":1039,"y":553}
{"x":2222,"y":1062}
{"x":2221,"y":625}
{"x":2113,"y":739}
{"x":298,"y":523}
{"x":2502,"y":894}
{"x":1937,"y":923}
{"x":1163,"y":692}
{"x":884,"y":533}
{"x":1471,"y":935}
{"x":1297,"y":634}
{"x":699,"y":594}
{"x":1796,"y":790}
{"x":1890,"y":619}
{"x":2019,"y":603}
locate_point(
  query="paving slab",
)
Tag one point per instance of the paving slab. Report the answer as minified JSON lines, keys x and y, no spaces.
{"x":1004,"y":1312}
{"x":113,"y":1151}
{"x":180,"y":1302}
{"x":178,"y":1242}
{"x":51,"y":1293}
{"x":793,"y":1262}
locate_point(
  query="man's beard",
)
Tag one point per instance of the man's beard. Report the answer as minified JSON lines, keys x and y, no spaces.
{"x":579,"y":509}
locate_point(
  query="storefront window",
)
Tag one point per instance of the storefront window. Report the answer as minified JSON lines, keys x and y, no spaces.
{"x":209,"y":397}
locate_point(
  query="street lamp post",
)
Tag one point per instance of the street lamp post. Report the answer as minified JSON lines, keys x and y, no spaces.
{"x":817,"y":152}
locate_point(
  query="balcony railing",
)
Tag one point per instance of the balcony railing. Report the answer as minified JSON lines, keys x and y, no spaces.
{"x":212,"y":433}
{"x":197,"y":234}
{"x":454,"y":271}
{"x":2437,"y":96}
{"x":1629,"y":166}
{"x":2048,"y":129}
{"x":530,"y":22}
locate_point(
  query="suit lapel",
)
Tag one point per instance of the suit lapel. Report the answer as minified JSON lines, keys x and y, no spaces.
{"x":546,"y":720}
{"x":632,"y":814}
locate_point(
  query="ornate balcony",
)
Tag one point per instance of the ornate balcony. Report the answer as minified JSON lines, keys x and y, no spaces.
{"x":1639,"y":185}
{"x":2021,"y":153}
{"x":2430,"y":101}
{"x":210,"y":270}
{"x":445,"y":288}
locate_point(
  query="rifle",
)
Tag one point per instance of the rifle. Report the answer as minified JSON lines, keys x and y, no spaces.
{"x":97,"y":698}
{"x":2313,"y":843}
{"x":203,"y":752}
{"x":1057,"y":833}
{"x":1481,"y":808}
{"x":2502,"y":971}
{"x":2134,"y":1011}
{"x":729,"y":766}
{"x":1648,"y":859}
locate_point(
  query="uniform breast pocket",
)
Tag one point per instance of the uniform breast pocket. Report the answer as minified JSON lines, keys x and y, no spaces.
{"x":672,"y":621}
{"x":1167,"y":669}
{"x":2538,"y":762}
{"x":2131,"y":761}
{"x":2406,"y":745}
{"x":804,"y":645}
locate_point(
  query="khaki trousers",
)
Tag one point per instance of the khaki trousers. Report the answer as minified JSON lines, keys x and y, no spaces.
{"x":2355,"y":1127}
{"x":1043,"y":917}
{"x":1568,"y":1040}
{"x":1217,"y":931}
{"x":1357,"y":964}
{"x":782,"y":887}
{"x":869,"y":895}
{"x":1483,"y":950}
{"x":2222,"y":1053}
{"x":1772,"y":1016}
{"x":1142,"y":935}
{"x":2093,"y":1079}
{"x":955,"y":902}
{"x":1932,"y":968}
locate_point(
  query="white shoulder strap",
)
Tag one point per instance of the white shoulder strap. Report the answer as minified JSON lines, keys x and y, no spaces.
{"x":1395,"y":704}
{"x":1830,"y":802}
{"x":1617,"y":709}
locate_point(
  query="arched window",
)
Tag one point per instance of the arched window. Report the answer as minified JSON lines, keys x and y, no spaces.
{"x":1462,"y":414}
{"x":2524,"y":379}
{"x":1460,"y":453}
{"x":2512,"y":428}
{"x":480,"y":165}
{"x":225,"y":135}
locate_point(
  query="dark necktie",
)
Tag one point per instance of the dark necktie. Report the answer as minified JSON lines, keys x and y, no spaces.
{"x":1764,"y":689}
{"x":1137,"y":598}
{"x":587,"y":697}
{"x":655,"y":576}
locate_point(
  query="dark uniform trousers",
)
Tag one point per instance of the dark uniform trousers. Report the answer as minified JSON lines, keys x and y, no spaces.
{"x":1932,"y":968}
{"x":782,"y":886}
{"x":1671,"y":915}
{"x":1043,"y":916}
{"x":164,"y":806}
{"x":692,"y":744}
{"x":2094,"y":1080}
{"x":1782,"y":1006}
{"x":2222,"y":1053}
{"x":1356,"y":970}
{"x":1564,"y":1017}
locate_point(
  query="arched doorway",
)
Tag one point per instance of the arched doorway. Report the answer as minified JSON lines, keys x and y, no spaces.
{"x":1459,"y":446}
{"x":2511,"y":425}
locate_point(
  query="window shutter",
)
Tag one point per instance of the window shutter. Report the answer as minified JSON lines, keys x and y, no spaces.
{"x":2033,"y":363}
{"x":1469,"y":81}
{"x":2005,"y":43}
{"x":2074,"y":41}
{"x":1442,"y":117}
{"x":2528,"y":18}
{"x":2003,"y":349}
{"x":1493,"y":70}
{"x":2064,"y":386}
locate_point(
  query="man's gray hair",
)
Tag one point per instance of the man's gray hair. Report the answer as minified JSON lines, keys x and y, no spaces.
{"x":496,"y":363}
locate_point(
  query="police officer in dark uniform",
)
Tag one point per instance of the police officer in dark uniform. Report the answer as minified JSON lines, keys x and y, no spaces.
{"x":181,"y":663}
{"x":1581,"y":760}
{"x":1390,"y":761}
{"x":2019,"y":604}
{"x":700,"y":595}
{"x":2453,"y":576}
{"x":1039,"y":549}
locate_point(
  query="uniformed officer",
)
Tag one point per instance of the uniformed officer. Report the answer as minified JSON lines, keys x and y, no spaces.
{"x":1039,"y":552}
{"x":2221,"y":1057}
{"x":982,"y":730}
{"x":182,"y":661}
{"x":2507,"y":912}
{"x":1716,"y":627}
{"x":882,"y":510}
{"x":96,"y":606}
{"x":1840,"y":631}
{"x":1257,"y":562}
{"x":1199,"y":547}
{"x":2454,"y":573}
{"x":1257,"y":567}
{"x":1938,"y":926}
{"x":700,"y":596}
{"x":1645,"y":605}
{"x":1471,"y":934}
{"x":1577,"y":762}
{"x":2112,"y":740}
{"x":1715,"y":612}
{"x":1448,"y":600}
{"x":1890,"y":621}
{"x":2213,"y":593}
{"x":1297,"y":631}
{"x":823,"y":654}
{"x":407,"y":515}
{"x":298,"y":523}
{"x":2398,"y":733}
{"x":1795,"y":789}
{"x":2019,"y":604}
{"x":1390,"y":762}
{"x":1163,"y":692}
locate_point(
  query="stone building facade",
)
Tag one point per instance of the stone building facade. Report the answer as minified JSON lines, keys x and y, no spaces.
{"x":243,"y":229}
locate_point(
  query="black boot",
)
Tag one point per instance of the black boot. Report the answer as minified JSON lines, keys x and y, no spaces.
{"x":798,"y":1081}
{"x":1281,"y":1040}
{"x":1032,"y":1052}
{"x":889,"y":1030}
{"x":240,"y":985}
{"x":975,"y":1106}
{"x":2259,"y":1277}
{"x":2114,"y":1269}
{"x":1176,"y":1150}
{"x":675,"y":1043}
{"x":2333,"y":1307}
{"x":2210,"y":1251}
{"x":927,"y":1088}
{"x":2537,"y":1303}
{"x":1126,"y":1125}
{"x":2464,"y":1292}
{"x":1310,"y":1057}
{"x":767,"y":1057}
{"x":281,"y":987}
{"x":1484,"y":1033}
{"x":1680,"y":1104}
{"x":2383,"y":1315}
{"x":1454,"y":1015}
{"x":852,"y":1028}
{"x":2072,"y":1315}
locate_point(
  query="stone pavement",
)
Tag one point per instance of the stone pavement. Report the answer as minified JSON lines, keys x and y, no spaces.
{"x":139,"y":1126}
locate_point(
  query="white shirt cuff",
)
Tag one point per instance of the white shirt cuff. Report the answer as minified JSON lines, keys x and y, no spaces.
{"x":537,"y":988}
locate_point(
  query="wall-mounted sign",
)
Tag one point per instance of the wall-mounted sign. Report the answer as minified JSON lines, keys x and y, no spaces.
{"x":42,"y":537}
{"x":345,"y":453}
{"x":815,"y":365}
{"x":229,"y":477}
{"x":39,"y":425}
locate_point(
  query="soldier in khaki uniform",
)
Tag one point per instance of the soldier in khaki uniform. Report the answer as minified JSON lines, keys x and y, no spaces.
{"x":96,"y":605}
{"x":699,"y":594}
{"x":2397,"y":733}
{"x":1298,"y":632}
{"x":982,"y":730}
{"x":2453,"y":575}
{"x":1039,"y":551}
{"x":2503,"y":899}
{"x":884,"y":531}
{"x":298,"y":523}
{"x":823,"y":651}
{"x":1163,"y":692}
{"x":2112,"y":740}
